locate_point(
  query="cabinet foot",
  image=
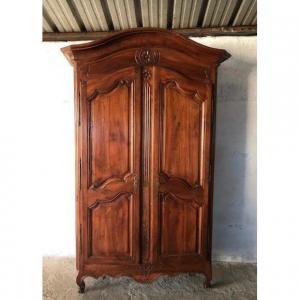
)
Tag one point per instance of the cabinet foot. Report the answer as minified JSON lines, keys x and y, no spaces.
{"x":207,"y":280}
{"x":207,"y":284}
{"x":80,"y":283}
{"x":81,"y":288}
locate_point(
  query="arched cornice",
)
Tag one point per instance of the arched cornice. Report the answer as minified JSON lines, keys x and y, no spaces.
{"x":141,"y":38}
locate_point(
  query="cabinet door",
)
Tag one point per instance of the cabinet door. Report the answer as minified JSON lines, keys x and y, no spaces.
{"x":110,"y":167}
{"x":181,"y":154}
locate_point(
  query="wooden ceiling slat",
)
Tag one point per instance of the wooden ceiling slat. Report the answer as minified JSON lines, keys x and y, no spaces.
{"x":68,"y":15}
{"x":53,"y":15}
{"x":98,"y":10}
{"x":185,"y":13}
{"x":250,"y":14}
{"x":114,"y":15}
{"x":153,"y":13}
{"x":176,"y":13}
{"x":83,"y":15}
{"x":46,"y":26}
{"x":241,"y":12}
{"x":163,"y":13}
{"x":57,"y":10}
{"x":227,"y":14}
{"x":130,"y":11}
{"x":145,"y":13}
{"x":89,"y":11}
{"x":209,"y":12}
{"x":195,"y":11}
{"x":219,"y":9}
{"x":121,"y":13}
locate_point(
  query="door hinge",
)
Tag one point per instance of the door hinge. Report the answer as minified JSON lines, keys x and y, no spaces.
{"x":80,"y":174}
{"x":80,"y":239}
{"x":157,"y":183}
{"x":79,"y":101}
{"x":136,"y":182}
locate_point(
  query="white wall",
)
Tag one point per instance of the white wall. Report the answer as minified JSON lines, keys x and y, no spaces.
{"x":235,"y":181}
{"x":57,"y":141}
{"x":234,"y":231}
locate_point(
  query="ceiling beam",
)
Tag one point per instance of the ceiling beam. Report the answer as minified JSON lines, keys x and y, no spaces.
{"x":219,"y":31}
{"x":193,"y":32}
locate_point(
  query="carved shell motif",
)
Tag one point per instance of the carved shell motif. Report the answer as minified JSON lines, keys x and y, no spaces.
{"x":147,"y":57}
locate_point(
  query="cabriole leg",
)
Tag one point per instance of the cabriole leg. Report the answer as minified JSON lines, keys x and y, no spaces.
{"x":80,"y":283}
{"x":207,"y":280}
{"x":207,"y":283}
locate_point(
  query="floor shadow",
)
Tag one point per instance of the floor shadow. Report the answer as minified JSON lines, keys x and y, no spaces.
{"x":221,"y":283}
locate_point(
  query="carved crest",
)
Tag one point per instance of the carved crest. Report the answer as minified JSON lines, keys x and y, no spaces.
{"x":147,"y":57}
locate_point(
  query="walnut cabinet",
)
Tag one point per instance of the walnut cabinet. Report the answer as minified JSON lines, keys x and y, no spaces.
{"x":144,"y":118}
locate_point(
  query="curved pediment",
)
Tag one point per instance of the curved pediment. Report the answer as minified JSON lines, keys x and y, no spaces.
{"x":139,"y":39}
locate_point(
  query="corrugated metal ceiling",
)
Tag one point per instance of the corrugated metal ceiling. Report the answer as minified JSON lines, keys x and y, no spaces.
{"x":85,"y":16}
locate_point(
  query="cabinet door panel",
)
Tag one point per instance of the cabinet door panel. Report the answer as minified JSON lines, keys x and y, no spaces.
{"x":106,"y":218}
{"x":181,"y":149}
{"x":180,"y":143}
{"x":179,"y":226}
{"x":110,"y":146}
{"x":111,"y":168}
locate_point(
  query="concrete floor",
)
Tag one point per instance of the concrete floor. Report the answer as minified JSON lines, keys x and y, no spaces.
{"x":230,"y":281}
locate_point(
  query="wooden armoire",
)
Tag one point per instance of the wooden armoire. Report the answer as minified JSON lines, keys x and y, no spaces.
{"x":145,"y":104}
